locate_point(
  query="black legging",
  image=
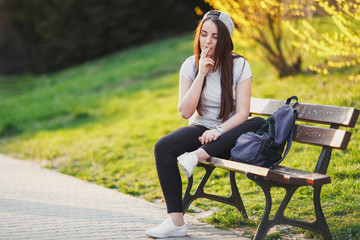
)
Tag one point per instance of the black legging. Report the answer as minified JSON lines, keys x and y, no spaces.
{"x":186,"y":139}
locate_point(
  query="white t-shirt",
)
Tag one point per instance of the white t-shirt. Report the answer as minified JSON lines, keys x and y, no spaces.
{"x":211,"y":95}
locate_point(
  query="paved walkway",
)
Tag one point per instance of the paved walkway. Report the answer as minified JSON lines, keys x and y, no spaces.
{"x":37,"y":203}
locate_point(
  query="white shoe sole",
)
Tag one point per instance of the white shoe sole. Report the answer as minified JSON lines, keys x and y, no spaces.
{"x":157,"y":235}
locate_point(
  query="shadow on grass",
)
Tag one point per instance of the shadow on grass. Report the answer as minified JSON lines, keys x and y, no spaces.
{"x":53,"y":123}
{"x":9,"y":129}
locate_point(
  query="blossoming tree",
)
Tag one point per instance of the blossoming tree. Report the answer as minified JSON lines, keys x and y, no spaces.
{"x":285,"y":31}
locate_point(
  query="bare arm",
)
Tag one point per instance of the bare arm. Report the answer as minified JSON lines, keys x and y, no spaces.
{"x":189,"y":92}
{"x":189,"y":95}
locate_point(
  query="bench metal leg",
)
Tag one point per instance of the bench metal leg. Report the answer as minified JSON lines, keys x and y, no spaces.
{"x":319,"y":225}
{"x":234,"y":200}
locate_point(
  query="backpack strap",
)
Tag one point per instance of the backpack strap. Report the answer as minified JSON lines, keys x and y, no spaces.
{"x":290,"y":137}
{"x":288,"y":146}
{"x":292,"y":98}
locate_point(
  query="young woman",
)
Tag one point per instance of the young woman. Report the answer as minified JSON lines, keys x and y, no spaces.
{"x":214,"y":94}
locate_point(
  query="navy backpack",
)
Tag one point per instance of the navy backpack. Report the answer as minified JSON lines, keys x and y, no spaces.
{"x":265,"y":147}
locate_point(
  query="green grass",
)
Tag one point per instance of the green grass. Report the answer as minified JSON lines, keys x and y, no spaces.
{"x":100,"y":121}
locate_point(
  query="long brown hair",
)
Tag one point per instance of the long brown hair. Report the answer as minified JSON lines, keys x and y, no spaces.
{"x":224,"y":61}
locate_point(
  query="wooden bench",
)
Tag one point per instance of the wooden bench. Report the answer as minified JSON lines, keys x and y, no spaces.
{"x":285,"y":177}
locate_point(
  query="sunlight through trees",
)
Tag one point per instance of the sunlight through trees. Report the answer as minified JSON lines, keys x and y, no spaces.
{"x":288,"y":30}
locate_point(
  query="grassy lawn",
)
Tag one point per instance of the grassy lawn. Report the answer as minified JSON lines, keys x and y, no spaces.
{"x":99,"y":122}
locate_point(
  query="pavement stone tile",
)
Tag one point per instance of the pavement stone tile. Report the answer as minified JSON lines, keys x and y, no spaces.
{"x":38,"y":203}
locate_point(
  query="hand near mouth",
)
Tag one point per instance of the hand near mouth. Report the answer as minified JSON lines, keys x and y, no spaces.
{"x":206,"y":62}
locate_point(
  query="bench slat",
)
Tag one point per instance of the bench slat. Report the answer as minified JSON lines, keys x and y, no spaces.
{"x":280,"y":174}
{"x":328,"y":137}
{"x":301,"y":177}
{"x":342,"y":116}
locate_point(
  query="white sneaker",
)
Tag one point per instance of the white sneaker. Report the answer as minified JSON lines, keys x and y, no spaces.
{"x":167,"y":229}
{"x":188,"y":162}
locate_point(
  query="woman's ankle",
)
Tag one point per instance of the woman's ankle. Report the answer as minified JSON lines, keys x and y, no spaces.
{"x":177,"y":218}
{"x":201,"y":154}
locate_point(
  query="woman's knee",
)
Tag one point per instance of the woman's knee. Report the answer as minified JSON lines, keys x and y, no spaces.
{"x":162,"y":145}
{"x":258,"y":120}
{"x":250,"y":125}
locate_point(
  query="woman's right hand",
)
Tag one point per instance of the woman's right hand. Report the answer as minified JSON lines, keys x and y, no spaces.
{"x":205,"y":62}
{"x":190,"y":91}
{"x":209,"y":136}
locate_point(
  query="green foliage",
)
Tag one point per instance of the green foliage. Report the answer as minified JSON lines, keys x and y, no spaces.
{"x":42,"y":36}
{"x":273,"y":236}
{"x":261,"y":23}
{"x":229,"y":218}
{"x":99,"y":122}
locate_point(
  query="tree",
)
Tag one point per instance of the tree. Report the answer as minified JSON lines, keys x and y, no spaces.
{"x":339,"y":47}
{"x":286,"y":30}
{"x":261,"y":21}
{"x":42,"y":36}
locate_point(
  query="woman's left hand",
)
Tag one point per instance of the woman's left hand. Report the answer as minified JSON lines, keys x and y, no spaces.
{"x":209,"y":136}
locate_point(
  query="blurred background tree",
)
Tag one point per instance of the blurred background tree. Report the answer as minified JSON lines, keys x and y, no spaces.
{"x":261,"y":23}
{"x":339,"y":47}
{"x":286,"y":31}
{"x":47,"y":35}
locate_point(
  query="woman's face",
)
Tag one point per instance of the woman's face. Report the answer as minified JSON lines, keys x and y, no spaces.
{"x":208,"y":37}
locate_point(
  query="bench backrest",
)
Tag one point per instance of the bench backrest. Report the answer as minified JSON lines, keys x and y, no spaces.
{"x":328,"y":137}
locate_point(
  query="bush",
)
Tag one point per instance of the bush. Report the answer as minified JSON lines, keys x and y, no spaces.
{"x":50,"y":35}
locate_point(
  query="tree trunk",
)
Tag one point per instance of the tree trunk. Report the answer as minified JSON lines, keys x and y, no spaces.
{"x":283,"y":68}
{"x":275,"y":51}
